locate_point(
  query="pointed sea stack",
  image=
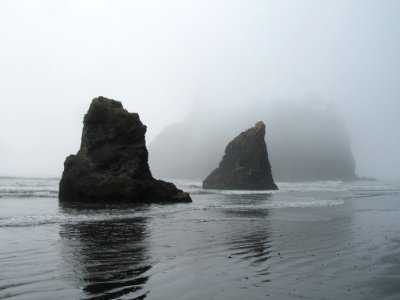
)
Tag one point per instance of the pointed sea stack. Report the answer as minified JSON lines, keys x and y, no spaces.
{"x":245,"y":165}
{"x":112,"y":163}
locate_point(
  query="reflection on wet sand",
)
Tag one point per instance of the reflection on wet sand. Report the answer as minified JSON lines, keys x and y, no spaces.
{"x":285,"y":248}
{"x":250,"y":241}
{"x":234,"y":246}
{"x":106,"y":258}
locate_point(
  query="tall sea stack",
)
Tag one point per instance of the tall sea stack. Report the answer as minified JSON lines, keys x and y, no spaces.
{"x":245,"y":164}
{"x":112,"y":162}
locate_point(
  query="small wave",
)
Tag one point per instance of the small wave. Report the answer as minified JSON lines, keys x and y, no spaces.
{"x":304,"y":204}
{"x":245,"y":192}
{"x":28,"y":221}
{"x":26,"y":193}
{"x":28,"y":187}
{"x":201,"y":191}
{"x":315,"y":186}
{"x":288,"y":204}
{"x":323,"y":186}
{"x":38,"y":220}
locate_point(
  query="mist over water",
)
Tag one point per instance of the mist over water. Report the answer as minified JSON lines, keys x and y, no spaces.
{"x":165,"y":59}
{"x":306,"y":141}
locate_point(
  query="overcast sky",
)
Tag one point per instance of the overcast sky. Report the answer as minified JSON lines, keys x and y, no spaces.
{"x":162,"y":57}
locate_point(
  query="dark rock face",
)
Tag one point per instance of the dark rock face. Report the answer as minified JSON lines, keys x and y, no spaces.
{"x":112,"y":163}
{"x":245,"y":164}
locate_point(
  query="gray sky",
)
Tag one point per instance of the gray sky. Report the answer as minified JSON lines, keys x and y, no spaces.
{"x":161,"y":57}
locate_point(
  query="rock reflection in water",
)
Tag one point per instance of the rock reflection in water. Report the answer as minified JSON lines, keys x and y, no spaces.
{"x":106,"y":257}
{"x":251,"y":240}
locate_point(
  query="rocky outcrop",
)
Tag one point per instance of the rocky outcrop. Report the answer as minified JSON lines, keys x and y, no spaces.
{"x":245,"y":165}
{"x":307,"y":142}
{"x":112,"y":163}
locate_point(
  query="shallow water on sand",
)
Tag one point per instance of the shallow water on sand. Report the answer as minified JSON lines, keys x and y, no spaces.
{"x":324,"y":240}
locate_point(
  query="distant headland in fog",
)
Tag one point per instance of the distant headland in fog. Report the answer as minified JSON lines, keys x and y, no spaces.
{"x":306,"y":141}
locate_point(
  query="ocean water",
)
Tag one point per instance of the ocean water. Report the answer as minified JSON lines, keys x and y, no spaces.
{"x":322,"y":240}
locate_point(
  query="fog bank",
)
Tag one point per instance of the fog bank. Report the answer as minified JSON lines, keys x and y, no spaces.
{"x":163,"y":59}
{"x":305,"y":141}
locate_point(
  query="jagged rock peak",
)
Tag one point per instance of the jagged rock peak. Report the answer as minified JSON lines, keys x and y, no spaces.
{"x":259,"y":127}
{"x":108,"y":122}
{"x":245,"y":164}
{"x":112,"y":163}
{"x":257,"y":130}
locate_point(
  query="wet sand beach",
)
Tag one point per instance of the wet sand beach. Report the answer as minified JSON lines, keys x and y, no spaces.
{"x":323,"y":240}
